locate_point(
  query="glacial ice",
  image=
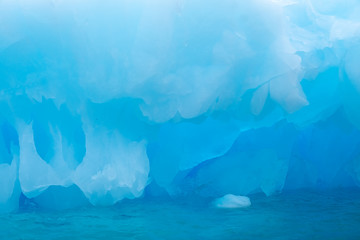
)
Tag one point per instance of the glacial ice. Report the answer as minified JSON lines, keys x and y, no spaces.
{"x":102,"y":101}
{"x":232,"y":201}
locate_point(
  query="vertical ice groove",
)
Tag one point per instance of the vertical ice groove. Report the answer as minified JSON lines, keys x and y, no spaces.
{"x":35,"y":174}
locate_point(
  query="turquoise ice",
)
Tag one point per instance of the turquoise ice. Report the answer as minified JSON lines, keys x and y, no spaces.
{"x":110,"y":100}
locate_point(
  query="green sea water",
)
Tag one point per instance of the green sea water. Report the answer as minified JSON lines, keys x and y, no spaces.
{"x":292,"y":215}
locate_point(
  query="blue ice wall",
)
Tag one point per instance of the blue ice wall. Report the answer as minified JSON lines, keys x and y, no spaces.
{"x":106,"y":100}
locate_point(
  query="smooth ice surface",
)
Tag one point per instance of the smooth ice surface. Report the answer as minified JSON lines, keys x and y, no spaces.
{"x":102,"y":101}
{"x":232,"y":201}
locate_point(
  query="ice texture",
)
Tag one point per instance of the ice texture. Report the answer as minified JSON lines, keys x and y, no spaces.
{"x":106,"y":100}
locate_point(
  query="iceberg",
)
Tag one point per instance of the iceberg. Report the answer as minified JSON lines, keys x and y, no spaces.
{"x":232,"y":201}
{"x":105,"y":101}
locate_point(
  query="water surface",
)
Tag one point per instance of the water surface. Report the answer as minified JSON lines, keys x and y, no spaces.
{"x":295,"y":215}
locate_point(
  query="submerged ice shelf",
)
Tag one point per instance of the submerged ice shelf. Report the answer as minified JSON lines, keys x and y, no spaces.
{"x":123,"y":99}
